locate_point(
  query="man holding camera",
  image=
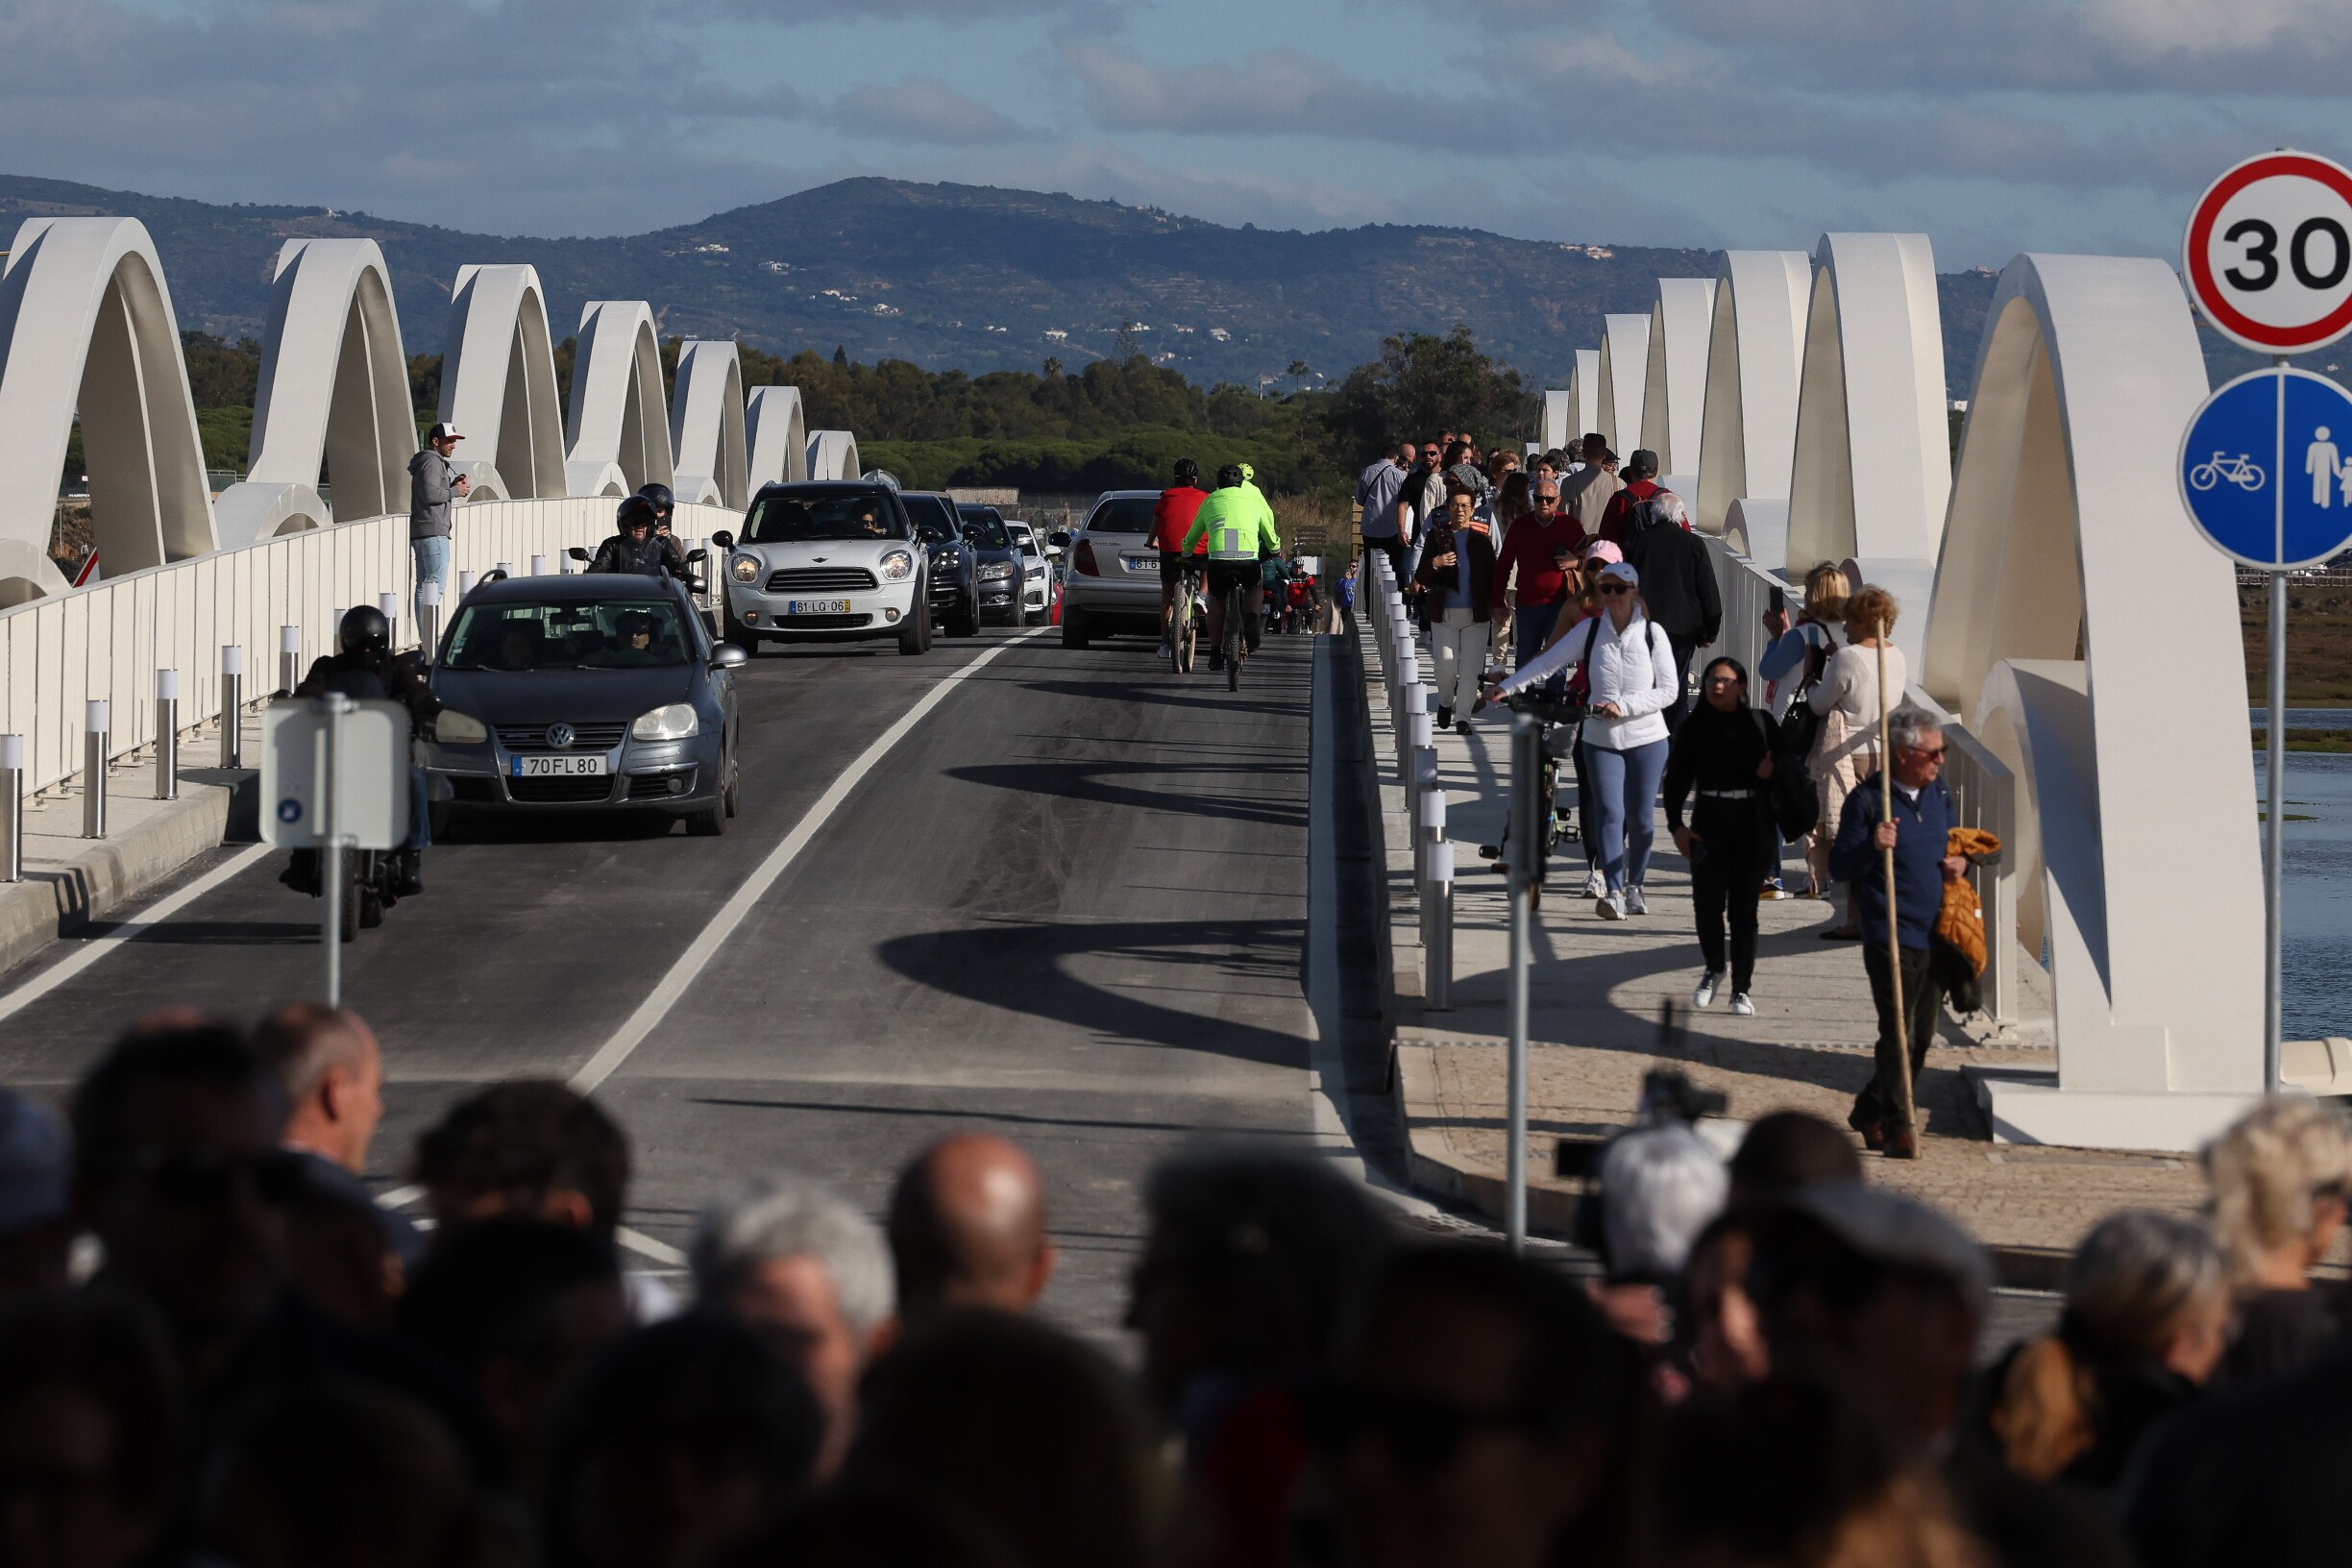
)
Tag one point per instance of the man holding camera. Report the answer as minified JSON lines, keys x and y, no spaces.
{"x":432,"y":481}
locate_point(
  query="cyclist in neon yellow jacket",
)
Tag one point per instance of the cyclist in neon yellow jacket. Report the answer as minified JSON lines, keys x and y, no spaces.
{"x":1239,"y":528}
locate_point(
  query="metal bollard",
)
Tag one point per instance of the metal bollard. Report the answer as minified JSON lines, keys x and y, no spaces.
{"x":232,"y":705}
{"x":1437,"y":926}
{"x":539,"y":566}
{"x":167,"y":735}
{"x":93,"y":768}
{"x":428,"y":634}
{"x":11,"y":808}
{"x":465,"y":584}
{"x":289,"y":659}
{"x":389,"y":604}
{"x":1420,"y":777}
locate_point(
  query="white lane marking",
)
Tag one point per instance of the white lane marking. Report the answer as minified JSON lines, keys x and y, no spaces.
{"x":398,"y":1197}
{"x":645,"y":1246}
{"x":1330,"y":1096}
{"x":57,"y":974}
{"x":654,"y":1008}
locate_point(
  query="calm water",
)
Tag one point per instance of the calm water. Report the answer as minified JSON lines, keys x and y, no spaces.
{"x":2315,"y":959}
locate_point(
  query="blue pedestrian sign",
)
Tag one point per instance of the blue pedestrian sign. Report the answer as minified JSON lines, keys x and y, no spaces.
{"x":2265,"y":469}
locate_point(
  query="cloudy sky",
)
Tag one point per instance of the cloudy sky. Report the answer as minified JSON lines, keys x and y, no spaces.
{"x":1995,"y":124}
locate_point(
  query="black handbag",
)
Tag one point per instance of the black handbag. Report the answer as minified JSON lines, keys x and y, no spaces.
{"x":1795,"y":805}
{"x":1801,"y":726}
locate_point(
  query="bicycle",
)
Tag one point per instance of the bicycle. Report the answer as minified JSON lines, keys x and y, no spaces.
{"x":1183,"y":620}
{"x":2237,"y":470}
{"x":1237,"y":634}
{"x":1554,"y":717}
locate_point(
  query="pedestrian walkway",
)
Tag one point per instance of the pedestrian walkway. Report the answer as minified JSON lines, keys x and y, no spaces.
{"x":1596,"y":999}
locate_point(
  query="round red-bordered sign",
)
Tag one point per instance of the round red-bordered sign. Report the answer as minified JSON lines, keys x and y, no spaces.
{"x":2282,"y":279}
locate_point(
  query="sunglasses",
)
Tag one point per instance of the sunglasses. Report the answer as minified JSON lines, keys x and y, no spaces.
{"x":1547,"y":501}
{"x":1616,"y":587}
{"x":207,"y":1177}
{"x":1424,"y":1434}
{"x":1926,"y":754}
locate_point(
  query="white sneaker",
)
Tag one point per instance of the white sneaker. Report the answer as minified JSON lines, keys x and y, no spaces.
{"x":1741,"y":1006}
{"x":1704,"y":996}
{"x":1165,"y":652}
{"x":1596,"y":885}
{"x":1609,"y":906}
{"x":1635,"y":902}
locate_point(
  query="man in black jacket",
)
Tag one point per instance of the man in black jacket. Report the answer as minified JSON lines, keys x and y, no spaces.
{"x":633,"y":548}
{"x":1677,"y":585}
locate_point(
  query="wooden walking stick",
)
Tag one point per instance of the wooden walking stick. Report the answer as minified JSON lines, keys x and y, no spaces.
{"x":1886,"y":798}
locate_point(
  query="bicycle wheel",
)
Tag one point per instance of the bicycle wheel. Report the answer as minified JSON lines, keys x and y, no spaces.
{"x":1188,"y":627}
{"x":2204,"y":477}
{"x":1237,"y":636}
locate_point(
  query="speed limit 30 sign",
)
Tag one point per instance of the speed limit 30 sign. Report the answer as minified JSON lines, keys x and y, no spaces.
{"x":2269,"y":253}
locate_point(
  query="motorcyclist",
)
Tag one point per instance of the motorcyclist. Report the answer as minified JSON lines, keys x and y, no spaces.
{"x":633,"y":548}
{"x":665,"y":502}
{"x":1239,"y":527}
{"x":365,"y":668}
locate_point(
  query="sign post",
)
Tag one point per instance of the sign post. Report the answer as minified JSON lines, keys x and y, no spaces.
{"x":2269,"y":258}
{"x":334,"y":779}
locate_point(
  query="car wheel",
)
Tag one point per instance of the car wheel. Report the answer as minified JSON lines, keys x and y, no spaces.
{"x":967,"y":622}
{"x":734,"y":784}
{"x":349,"y":922}
{"x":916,"y":638}
{"x":1073,"y":626}
{"x":736,"y":632}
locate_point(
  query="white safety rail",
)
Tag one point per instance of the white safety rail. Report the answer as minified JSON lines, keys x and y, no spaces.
{"x":1747,"y":591}
{"x":108,"y":641}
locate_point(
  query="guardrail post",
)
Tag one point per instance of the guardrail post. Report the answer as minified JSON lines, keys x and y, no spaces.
{"x":429,"y":633}
{"x":94,"y":729}
{"x":11,"y":808}
{"x":232,"y":705}
{"x":289,"y":659}
{"x":167,"y":735}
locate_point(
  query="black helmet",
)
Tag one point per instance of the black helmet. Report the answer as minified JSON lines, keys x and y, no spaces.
{"x":1188,"y":471}
{"x":1229,"y":475}
{"x":363,"y":626}
{"x":664,"y":503}
{"x":636,"y":512}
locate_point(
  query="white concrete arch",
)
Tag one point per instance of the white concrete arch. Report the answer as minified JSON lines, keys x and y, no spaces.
{"x":1624,"y":373}
{"x":776,"y":433}
{"x":2066,"y":530}
{"x":706,"y":424}
{"x":334,"y":392}
{"x":497,"y":384}
{"x":87,"y":324}
{"x":1755,"y":352}
{"x":617,"y":429}
{"x":1872,"y":459}
{"x":1758,"y":528}
{"x":833,"y":454}
{"x":1584,"y":394}
{"x":1556,"y":407}
{"x":1674,"y":382}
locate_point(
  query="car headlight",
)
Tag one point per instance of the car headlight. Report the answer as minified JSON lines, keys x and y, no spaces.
{"x":674,"y":722}
{"x":745,"y":568}
{"x":996,"y":571}
{"x":453,"y":728}
{"x":897,"y":566}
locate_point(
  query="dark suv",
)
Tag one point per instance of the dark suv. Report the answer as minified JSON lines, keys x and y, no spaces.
{"x":955,"y":568}
{"x":1000,"y":562}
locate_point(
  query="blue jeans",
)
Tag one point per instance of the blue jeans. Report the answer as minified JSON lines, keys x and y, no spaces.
{"x":1530,"y":629}
{"x":420,"y":810}
{"x":1624,"y":786}
{"x":433,"y":561}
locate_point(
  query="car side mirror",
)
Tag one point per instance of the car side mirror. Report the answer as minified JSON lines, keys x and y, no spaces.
{"x":1060,"y":538}
{"x":724,"y":539}
{"x":577,"y":554}
{"x":696,"y":586}
{"x":728,"y":656}
{"x":694,"y":555}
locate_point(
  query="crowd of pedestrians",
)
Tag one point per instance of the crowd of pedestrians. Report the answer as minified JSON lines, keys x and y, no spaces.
{"x":218,"y":1347}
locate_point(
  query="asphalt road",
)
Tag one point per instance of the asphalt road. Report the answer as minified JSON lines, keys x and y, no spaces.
{"x":1068,"y":905}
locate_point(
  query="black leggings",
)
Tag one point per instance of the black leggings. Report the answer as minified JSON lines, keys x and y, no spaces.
{"x":1737,"y":849}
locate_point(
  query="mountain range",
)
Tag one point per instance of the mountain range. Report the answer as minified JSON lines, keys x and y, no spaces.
{"x":981,"y":278}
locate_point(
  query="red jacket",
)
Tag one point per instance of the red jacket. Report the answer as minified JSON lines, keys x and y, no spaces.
{"x":1614,"y":519}
{"x":1172,"y":518}
{"x":1529,"y":546}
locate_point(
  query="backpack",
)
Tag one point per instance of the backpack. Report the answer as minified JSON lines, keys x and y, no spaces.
{"x":1795,"y":805}
{"x":1801,"y":726}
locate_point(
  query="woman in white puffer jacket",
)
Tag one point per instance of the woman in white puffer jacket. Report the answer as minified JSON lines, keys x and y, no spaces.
{"x":1630,"y":679}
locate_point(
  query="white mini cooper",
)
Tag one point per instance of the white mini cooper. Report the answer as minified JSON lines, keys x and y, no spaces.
{"x":826,"y":562}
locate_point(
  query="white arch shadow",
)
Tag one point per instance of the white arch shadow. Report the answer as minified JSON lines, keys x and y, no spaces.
{"x":833,"y":454}
{"x":2066,"y":530}
{"x":87,"y":324}
{"x":776,"y":431}
{"x":1585,"y":393}
{"x":1755,"y":348}
{"x":706,"y":424}
{"x":1624,"y":373}
{"x":497,"y":384}
{"x":617,"y":429}
{"x":1873,"y":463}
{"x":333,"y":391}
{"x":1674,"y":380}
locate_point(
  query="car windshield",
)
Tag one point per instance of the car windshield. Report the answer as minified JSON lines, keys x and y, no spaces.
{"x":988,"y":527}
{"x":933,"y":521}
{"x":594,"y":634}
{"x":1128,"y":514}
{"x":808,"y":516}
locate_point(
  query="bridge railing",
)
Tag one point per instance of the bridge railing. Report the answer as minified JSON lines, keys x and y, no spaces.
{"x":107,"y":641}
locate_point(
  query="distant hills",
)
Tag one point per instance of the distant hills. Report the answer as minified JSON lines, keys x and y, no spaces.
{"x":980,"y":279}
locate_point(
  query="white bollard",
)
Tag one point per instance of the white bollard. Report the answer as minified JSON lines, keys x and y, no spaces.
{"x":465,"y":584}
{"x":289,"y":659}
{"x":167,"y":735}
{"x":94,"y":729}
{"x":389,"y":604}
{"x":428,"y":634}
{"x":1438,"y":944}
{"x":11,"y":808}
{"x":232,"y":705}
{"x":506,"y":567}
{"x":539,"y":566}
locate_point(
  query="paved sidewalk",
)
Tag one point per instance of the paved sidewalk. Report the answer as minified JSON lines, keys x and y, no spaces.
{"x":1595,"y":1002}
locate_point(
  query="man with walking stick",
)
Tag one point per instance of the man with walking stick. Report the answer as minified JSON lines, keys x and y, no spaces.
{"x":1892,"y":847}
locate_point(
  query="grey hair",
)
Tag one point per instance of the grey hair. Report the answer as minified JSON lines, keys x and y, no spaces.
{"x":786,"y":1215}
{"x":1910,"y":724}
{"x":1659,"y":1187}
{"x":2269,"y":1170}
{"x":1669,"y":506}
{"x":2140,"y":1274}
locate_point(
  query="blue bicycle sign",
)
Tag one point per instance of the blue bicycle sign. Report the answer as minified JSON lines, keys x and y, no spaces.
{"x":2265,"y":469}
{"x":2239,"y":471}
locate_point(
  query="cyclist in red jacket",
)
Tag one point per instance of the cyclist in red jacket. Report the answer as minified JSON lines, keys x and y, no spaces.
{"x":1171,"y":521}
